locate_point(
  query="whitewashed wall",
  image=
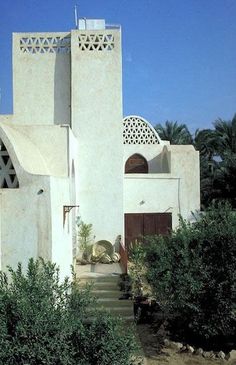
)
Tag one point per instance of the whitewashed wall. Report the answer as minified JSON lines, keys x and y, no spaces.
{"x":97,"y":123}
{"x":31,"y":216}
{"x":176,"y":192}
{"x":41,"y":78}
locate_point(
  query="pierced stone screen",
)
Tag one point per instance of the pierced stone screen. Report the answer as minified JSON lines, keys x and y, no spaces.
{"x":96,"y":42}
{"x":138,"y":131}
{"x":45,"y":44}
{"x":8,"y":178}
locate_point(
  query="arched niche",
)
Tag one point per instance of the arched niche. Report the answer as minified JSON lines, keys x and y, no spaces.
{"x":136,"y":164}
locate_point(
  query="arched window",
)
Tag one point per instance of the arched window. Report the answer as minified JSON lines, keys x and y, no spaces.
{"x":136,"y":164}
{"x":8,"y":178}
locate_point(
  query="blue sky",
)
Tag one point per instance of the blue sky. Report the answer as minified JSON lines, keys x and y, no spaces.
{"x":179,"y":56}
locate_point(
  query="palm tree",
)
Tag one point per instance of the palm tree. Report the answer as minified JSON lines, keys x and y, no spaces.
{"x":218,"y":161}
{"x":217,"y":148}
{"x":174,"y":132}
{"x":225,"y":179}
{"x":205,"y":142}
{"x":226,"y":136}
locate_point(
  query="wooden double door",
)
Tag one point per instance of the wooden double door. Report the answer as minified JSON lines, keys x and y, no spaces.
{"x":138,"y":225}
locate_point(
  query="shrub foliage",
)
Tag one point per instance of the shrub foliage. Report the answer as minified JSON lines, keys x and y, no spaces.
{"x":44,"y":321}
{"x":192,"y":272}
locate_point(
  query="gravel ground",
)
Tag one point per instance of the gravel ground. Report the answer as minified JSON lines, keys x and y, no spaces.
{"x":155,"y":354}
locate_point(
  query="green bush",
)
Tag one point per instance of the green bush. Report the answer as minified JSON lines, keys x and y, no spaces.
{"x":44,"y":321}
{"x":192,"y":273}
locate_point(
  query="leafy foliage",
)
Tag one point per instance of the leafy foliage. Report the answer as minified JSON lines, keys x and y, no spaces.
{"x":218,"y":162}
{"x":137,"y":271}
{"x":174,"y":132}
{"x":45,"y":321}
{"x":193,"y":273}
{"x":225,"y":132}
{"x":85,"y":239}
{"x":84,"y":234}
{"x":217,"y":148}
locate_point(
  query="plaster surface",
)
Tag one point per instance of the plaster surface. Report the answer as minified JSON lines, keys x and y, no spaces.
{"x":31,"y":216}
{"x":41,"y":78}
{"x":176,"y":191}
{"x":97,"y":123}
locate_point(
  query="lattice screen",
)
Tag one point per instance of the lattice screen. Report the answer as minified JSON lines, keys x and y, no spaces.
{"x":8,"y":178}
{"x":45,"y":44}
{"x":96,"y":42}
{"x":139,"y":131}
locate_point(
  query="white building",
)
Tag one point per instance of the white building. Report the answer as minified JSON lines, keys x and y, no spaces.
{"x":67,"y":144}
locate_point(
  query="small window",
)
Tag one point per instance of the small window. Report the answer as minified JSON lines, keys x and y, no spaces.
{"x":136,"y":164}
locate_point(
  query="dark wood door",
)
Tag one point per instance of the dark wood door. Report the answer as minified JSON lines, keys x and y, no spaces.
{"x":157,"y":223}
{"x":138,"y":225}
{"x":133,"y":228}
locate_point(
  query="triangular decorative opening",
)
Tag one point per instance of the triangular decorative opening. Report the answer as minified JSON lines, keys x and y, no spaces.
{"x":45,"y":45}
{"x":138,"y":131}
{"x":4,"y":184}
{"x":8,"y":177}
{"x":96,"y":42}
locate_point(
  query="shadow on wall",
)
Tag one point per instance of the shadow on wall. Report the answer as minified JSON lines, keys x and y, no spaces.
{"x":166,"y":161}
{"x":62,"y":89}
{"x":72,"y":184}
{"x":160,"y":163}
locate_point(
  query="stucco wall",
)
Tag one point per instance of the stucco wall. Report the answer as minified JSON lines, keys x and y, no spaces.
{"x":61,"y":234}
{"x":25,"y":221}
{"x":25,"y":215}
{"x":41,"y":80}
{"x":177,"y":192}
{"x":7,"y":118}
{"x":41,"y":150}
{"x":97,"y":122}
{"x":152,"y":153}
{"x":63,"y":192}
{"x":31,"y":216}
{"x":36,"y":227}
{"x":185,"y":164}
{"x":150,"y":193}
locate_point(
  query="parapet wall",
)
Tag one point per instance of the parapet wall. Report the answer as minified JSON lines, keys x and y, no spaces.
{"x":41,"y":78}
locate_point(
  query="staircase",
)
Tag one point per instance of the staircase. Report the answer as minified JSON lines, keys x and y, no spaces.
{"x":105,"y":287}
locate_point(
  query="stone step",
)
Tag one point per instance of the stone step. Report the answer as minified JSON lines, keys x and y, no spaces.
{"x":122,"y":311}
{"x":107,"y":292}
{"x":109,"y":282}
{"x":99,"y":277}
{"x":101,"y":285}
{"x":102,"y":294}
{"x":127,"y":318}
{"x":99,"y":269}
{"x":111,"y":302}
